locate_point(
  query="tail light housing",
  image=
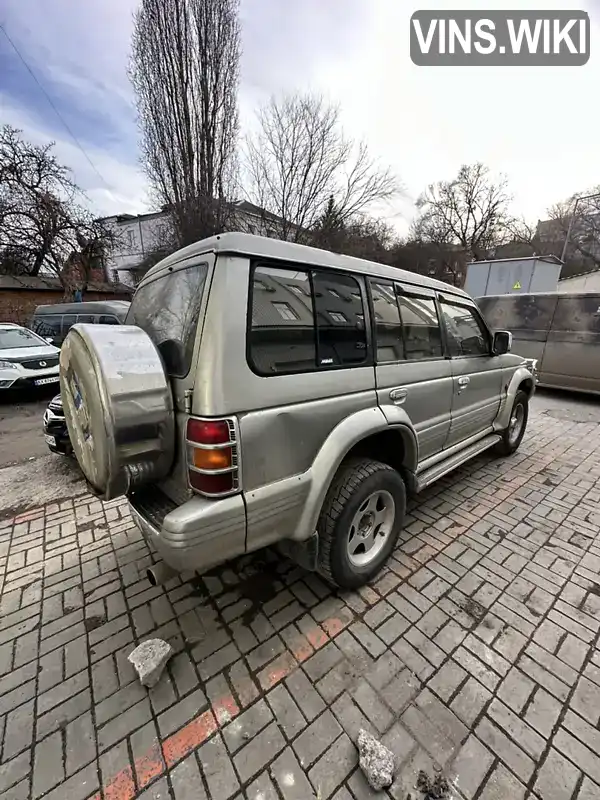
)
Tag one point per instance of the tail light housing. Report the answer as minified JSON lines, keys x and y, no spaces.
{"x":212,"y":456}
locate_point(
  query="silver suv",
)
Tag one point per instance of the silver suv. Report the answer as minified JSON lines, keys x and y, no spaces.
{"x":264,"y":392}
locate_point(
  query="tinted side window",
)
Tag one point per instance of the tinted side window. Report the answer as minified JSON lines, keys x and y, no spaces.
{"x":577,"y":314}
{"x":389,"y":341}
{"x":105,"y":319}
{"x":342,"y":336}
{"x":68,"y":321}
{"x":519,"y":312}
{"x":466,"y":335}
{"x":89,"y":318}
{"x":421,"y":327}
{"x":282,"y":333}
{"x":48,"y":325}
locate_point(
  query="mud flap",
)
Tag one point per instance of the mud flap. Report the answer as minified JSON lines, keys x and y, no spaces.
{"x":304,"y":553}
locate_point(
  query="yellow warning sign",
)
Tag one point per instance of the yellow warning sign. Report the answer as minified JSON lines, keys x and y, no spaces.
{"x":517,"y":285}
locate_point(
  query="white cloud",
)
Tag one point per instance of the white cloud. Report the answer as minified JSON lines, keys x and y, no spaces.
{"x":122,"y":187}
{"x":536,"y":125}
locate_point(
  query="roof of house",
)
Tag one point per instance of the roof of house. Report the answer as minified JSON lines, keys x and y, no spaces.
{"x":37,"y":283}
{"x":243,"y":205}
{"x":287,"y":252}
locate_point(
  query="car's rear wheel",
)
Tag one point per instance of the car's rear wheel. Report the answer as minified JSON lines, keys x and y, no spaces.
{"x":360,"y":522}
{"x":512,"y":436}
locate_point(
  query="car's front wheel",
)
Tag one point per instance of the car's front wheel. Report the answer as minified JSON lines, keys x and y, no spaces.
{"x":512,"y":436}
{"x":360,"y":522}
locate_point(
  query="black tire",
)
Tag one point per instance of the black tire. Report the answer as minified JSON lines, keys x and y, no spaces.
{"x":356,"y":481}
{"x":510,"y":443}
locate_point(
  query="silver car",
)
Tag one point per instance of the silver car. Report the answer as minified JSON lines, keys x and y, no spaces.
{"x":264,"y":392}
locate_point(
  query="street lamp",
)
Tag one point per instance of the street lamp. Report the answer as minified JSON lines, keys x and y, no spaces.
{"x":568,"y":237}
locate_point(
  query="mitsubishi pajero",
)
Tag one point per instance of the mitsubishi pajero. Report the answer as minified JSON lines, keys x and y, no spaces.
{"x":262,"y":392}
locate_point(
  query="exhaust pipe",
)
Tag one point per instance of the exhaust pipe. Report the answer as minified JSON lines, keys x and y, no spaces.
{"x":159,"y":573}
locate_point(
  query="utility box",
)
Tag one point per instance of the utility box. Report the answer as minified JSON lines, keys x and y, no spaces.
{"x":513,"y":276}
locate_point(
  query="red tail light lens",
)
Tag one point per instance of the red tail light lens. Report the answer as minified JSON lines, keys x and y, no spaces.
{"x":208,"y":431}
{"x":212,"y":454}
{"x":212,"y":484}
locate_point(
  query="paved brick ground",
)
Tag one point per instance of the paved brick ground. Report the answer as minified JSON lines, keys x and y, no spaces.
{"x":475,"y":653}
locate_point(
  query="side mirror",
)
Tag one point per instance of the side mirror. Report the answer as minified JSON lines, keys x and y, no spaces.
{"x":502,"y":343}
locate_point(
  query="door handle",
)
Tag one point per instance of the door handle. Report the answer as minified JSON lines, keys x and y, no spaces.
{"x":462,"y":382}
{"x":398,"y":396}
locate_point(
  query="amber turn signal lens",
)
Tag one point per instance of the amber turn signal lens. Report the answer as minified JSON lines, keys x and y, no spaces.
{"x":211,"y":459}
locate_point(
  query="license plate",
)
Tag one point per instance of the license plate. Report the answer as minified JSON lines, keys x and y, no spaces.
{"x":43,"y":381}
{"x":50,"y":439}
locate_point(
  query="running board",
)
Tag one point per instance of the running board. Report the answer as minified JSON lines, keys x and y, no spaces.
{"x":438,"y":471}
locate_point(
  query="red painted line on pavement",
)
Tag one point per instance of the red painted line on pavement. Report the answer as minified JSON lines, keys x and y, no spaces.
{"x":149,"y":766}
{"x":121,"y":787}
{"x":334,"y":625}
{"x":301,"y":649}
{"x":317,"y":637}
{"x":193,"y":734}
{"x":189,"y":738}
{"x":282,"y":667}
{"x":225,"y":709}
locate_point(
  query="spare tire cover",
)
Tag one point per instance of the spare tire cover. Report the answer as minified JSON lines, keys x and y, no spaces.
{"x":118,"y":406}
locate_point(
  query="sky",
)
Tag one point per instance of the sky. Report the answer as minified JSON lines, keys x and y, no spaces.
{"x":538,"y":126}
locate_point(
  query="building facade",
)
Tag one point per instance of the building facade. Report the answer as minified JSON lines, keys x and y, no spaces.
{"x":138,"y":236}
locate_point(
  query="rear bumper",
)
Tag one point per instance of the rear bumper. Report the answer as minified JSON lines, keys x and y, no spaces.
{"x":192,"y":537}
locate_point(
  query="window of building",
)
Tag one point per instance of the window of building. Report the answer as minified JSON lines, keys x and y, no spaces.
{"x":286,"y":311}
{"x":297,"y":289}
{"x":343,"y":343}
{"x":130,"y":239}
{"x":466,"y":334}
{"x":278,"y":343}
{"x":420,"y":327}
{"x":389,"y":342}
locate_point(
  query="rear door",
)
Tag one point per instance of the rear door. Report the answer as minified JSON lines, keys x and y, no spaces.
{"x":169,"y":307}
{"x":572,"y":355}
{"x":411,"y":370}
{"x":476,"y":373}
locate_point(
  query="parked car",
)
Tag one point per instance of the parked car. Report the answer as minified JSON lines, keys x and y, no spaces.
{"x":54,"y":321}
{"x":55,"y":428}
{"x":26,"y":360}
{"x":265,"y":392}
{"x":561,"y":331}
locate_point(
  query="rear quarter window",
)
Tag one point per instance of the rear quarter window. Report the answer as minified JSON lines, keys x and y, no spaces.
{"x":303,"y":320}
{"x":167,"y":309}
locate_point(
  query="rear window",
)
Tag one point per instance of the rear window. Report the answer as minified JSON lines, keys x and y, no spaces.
{"x":167,"y":309}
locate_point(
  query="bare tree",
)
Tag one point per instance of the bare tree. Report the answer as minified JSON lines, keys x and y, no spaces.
{"x":299,"y":163}
{"x":44,"y":226}
{"x":471,"y":212}
{"x":185,"y":72}
{"x":577,"y":218}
